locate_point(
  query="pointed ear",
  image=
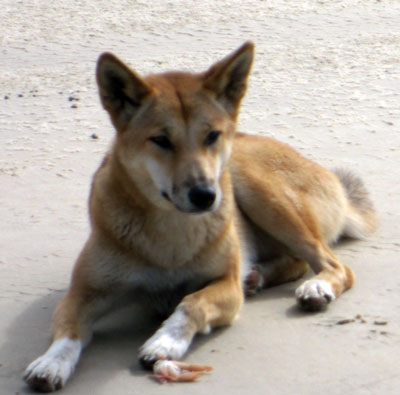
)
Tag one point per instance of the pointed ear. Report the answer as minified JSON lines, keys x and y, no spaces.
{"x":121,"y":90}
{"x":227,"y":79}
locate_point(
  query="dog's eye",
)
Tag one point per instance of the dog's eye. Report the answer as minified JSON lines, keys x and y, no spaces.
{"x":163,"y":142}
{"x":212,"y":137}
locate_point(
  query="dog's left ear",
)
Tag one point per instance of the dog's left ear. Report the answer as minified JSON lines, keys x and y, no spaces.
{"x":122,"y":91}
{"x":227,"y":79}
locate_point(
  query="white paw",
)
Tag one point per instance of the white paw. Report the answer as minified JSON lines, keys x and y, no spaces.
{"x":171,"y":341}
{"x":165,"y":346}
{"x":314,"y":295}
{"x":52,"y":370}
{"x":47,"y":374}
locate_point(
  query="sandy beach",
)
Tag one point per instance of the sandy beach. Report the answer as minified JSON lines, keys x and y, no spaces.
{"x":326,"y":79}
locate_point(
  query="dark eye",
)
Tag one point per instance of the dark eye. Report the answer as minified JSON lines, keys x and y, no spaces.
{"x":163,"y":142}
{"x":212,"y":137}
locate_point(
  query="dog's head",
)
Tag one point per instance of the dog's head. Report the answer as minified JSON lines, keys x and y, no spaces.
{"x":175,"y":130}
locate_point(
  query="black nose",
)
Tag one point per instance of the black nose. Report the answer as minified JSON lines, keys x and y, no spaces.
{"x":202,"y":197}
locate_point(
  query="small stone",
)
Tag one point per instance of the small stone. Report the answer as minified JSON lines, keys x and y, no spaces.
{"x":380,"y":323}
{"x":344,"y":322}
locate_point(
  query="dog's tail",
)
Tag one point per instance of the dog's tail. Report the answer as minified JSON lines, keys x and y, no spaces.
{"x":361,"y":217}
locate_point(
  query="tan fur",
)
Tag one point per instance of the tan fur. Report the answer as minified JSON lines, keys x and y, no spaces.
{"x":180,"y":220}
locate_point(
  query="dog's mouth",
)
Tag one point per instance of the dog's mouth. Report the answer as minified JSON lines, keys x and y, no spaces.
{"x":166,"y":196}
{"x":202,"y":205}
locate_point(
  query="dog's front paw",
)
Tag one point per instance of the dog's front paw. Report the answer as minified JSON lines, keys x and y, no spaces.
{"x":162,"y":345}
{"x":52,"y":370}
{"x":314,"y":295}
{"x":47,"y":374}
{"x":171,"y":341}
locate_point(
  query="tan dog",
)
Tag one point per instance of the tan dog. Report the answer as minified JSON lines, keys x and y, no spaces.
{"x":184,"y":211}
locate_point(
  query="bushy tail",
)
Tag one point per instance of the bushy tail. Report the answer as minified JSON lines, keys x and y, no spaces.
{"x":361,"y":218}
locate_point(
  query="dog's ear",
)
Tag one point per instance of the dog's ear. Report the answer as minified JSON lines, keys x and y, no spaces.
{"x":227,"y":79}
{"x":121,"y":90}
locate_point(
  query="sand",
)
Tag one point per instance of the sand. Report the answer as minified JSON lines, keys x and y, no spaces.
{"x":326,"y":79}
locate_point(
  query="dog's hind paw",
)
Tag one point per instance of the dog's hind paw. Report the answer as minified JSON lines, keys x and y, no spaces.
{"x":314,"y":295}
{"x":254,"y":281}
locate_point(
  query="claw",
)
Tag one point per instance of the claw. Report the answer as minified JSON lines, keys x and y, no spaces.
{"x":175,"y":371}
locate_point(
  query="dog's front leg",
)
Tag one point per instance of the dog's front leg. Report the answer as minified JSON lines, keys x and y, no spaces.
{"x":72,"y":330}
{"x":52,"y":370}
{"x":215,"y":305}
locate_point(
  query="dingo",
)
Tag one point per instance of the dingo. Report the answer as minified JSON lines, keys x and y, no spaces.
{"x":188,"y":215}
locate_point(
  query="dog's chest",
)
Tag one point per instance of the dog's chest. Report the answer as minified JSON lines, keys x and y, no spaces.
{"x":172,"y":241}
{"x":163,"y":290}
{"x":170,"y":246}
{"x":169,"y":252}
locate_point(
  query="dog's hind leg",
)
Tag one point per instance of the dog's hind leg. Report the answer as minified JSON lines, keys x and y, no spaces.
{"x":287,"y":217}
{"x":277,"y":271}
{"x":332,"y":277}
